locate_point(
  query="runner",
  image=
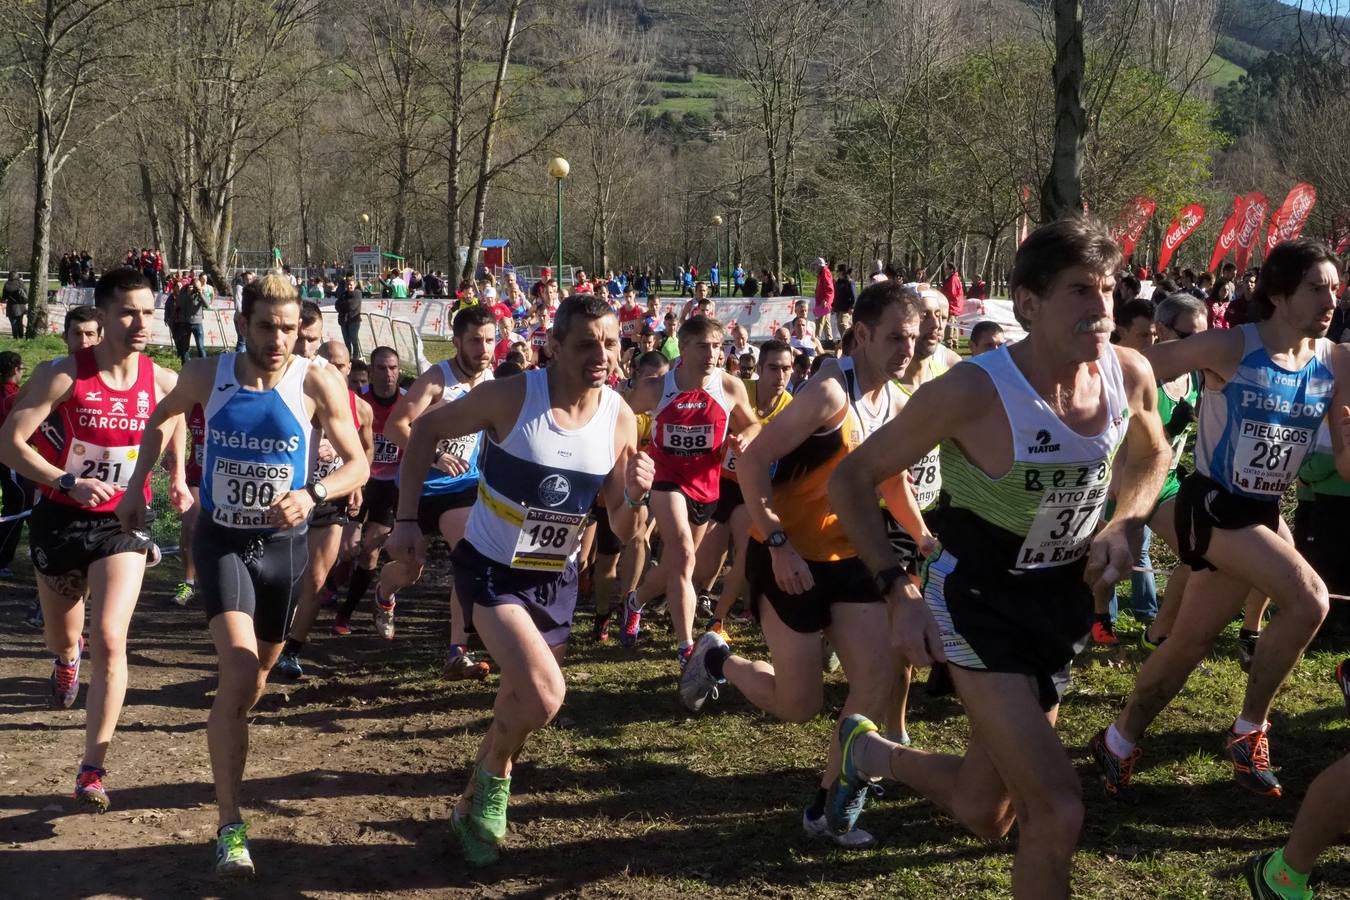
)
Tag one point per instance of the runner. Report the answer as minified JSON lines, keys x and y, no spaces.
{"x":555,"y":438}
{"x":380,"y":496}
{"x":329,"y":517}
{"x":251,"y":552}
{"x":1322,"y":820}
{"x":103,"y":396}
{"x":771,"y":398}
{"x":1008,"y":600}
{"x":1268,"y":386}
{"x":187,"y":523}
{"x":805,"y":580}
{"x":694,"y":408}
{"x":449,"y":490}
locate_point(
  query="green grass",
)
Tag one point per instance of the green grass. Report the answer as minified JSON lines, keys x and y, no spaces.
{"x":1221,"y":72}
{"x":701,"y":95}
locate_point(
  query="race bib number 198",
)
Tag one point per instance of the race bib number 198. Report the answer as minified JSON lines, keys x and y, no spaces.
{"x":547,"y":540}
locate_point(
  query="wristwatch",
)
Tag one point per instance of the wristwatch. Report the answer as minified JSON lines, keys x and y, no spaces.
{"x":66,"y":483}
{"x":317,"y":492}
{"x":885,"y":579}
{"x":776,"y":539}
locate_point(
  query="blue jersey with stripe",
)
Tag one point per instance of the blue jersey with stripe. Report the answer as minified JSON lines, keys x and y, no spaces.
{"x":1255,"y":431}
{"x":255,"y":447}
{"x":468,"y":447}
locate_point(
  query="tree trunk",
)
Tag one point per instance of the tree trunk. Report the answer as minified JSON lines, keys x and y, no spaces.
{"x":489,"y":134}
{"x":454,"y":150}
{"x":151,"y":210}
{"x":1062,"y":190}
{"x":42,"y":231}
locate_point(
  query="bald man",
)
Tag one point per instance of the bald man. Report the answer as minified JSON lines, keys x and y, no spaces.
{"x":329,"y":517}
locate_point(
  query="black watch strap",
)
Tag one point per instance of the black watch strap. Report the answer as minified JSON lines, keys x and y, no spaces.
{"x":776,"y":538}
{"x":885,"y":579}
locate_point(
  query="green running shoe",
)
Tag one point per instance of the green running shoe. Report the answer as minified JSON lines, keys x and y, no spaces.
{"x":477,"y":852}
{"x":232,"y":859}
{"x":487,"y":812}
{"x":849,"y":793}
{"x":1262,"y":889}
{"x":183,"y":594}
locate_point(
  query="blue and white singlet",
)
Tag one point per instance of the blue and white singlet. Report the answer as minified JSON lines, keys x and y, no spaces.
{"x":467,"y":448}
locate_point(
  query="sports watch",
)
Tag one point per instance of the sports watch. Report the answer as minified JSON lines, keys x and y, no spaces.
{"x":66,"y":483}
{"x":776,"y":539}
{"x":317,"y":492}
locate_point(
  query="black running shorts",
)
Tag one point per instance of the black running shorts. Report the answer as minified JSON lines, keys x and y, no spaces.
{"x":838,"y":581}
{"x":699,"y":513}
{"x":1031,"y":623}
{"x":1202,"y":505}
{"x":379,"y":502}
{"x":729,"y":497}
{"x":64,"y":539}
{"x":432,"y":506}
{"x":328,"y":513}
{"x":257,"y":573}
{"x":607,"y":543}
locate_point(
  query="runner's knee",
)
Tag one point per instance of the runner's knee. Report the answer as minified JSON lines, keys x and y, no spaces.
{"x":802,"y":706}
{"x":1055,"y":814}
{"x":537,"y":705}
{"x":108,"y":643}
{"x":1308,"y":601}
{"x":989,"y":819}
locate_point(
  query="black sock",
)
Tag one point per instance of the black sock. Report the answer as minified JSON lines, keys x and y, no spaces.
{"x":356,"y":591}
{"x":817,"y":807}
{"x":1104,"y":618}
{"x":1246,"y":634}
{"x":715,"y":658}
{"x":293,"y":646}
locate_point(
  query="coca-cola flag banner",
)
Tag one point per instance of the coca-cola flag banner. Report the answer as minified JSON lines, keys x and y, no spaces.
{"x":1182,"y":227}
{"x":1227,"y":235}
{"x":1288,"y":220}
{"x":1132,"y":221}
{"x":1253,"y":214}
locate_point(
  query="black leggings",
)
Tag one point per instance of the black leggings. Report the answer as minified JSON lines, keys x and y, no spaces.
{"x":250,"y":573}
{"x":16,"y":495}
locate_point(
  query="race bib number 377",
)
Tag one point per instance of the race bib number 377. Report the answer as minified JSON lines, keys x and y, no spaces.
{"x":1067,"y":514}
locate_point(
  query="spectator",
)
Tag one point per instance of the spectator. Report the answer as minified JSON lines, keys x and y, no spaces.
{"x":844,"y":297}
{"x":190,"y":302}
{"x":769,"y":286}
{"x":954,"y":289}
{"x":16,"y":303}
{"x":687,"y":282}
{"x":824,"y":305}
{"x":243,"y":278}
{"x":985,"y":336}
{"x":979,"y":290}
{"x":714,"y":277}
{"x":738,"y":279}
{"x":349,"y":316}
{"x":16,"y":493}
{"x":1218,"y":302}
{"x":749,"y":285}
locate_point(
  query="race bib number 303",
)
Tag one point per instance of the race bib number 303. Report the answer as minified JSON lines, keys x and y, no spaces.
{"x":1070,"y":506}
{"x":1266,"y":456}
{"x":111,"y":464}
{"x":547,"y":540}
{"x":242,"y":491}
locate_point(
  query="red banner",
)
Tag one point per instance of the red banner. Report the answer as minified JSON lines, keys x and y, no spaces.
{"x":1132,"y":221}
{"x":1227,"y":235}
{"x":1253,"y":214}
{"x":1182,"y":227}
{"x":1288,"y":220}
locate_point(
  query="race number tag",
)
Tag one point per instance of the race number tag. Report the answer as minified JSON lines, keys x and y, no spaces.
{"x":927,"y":479}
{"x":1267,"y":456}
{"x":686,"y":440}
{"x":111,"y":464}
{"x":324,"y":469}
{"x":242,"y":491}
{"x":387,"y":453}
{"x":462,"y":447}
{"x":1066,"y":515}
{"x":547,"y":540}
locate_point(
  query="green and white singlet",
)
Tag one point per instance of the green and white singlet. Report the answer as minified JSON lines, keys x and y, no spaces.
{"x":1178,"y":420}
{"x":926,"y":474}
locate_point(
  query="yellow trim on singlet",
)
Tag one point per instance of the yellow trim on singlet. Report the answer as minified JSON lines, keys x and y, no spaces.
{"x":507,"y":512}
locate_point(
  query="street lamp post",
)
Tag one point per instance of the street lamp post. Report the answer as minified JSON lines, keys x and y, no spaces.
{"x":717,"y":223}
{"x":558,"y":168}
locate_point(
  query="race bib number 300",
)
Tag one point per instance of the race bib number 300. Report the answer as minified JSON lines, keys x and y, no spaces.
{"x":1267,"y":456}
{"x":110,"y":464}
{"x":547,"y":540}
{"x":1070,"y":506}
{"x":242,"y":491}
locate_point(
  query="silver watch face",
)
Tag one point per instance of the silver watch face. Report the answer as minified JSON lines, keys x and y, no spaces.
{"x":320,"y":491}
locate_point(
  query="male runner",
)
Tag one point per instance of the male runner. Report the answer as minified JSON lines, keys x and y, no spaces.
{"x":449,"y":490}
{"x":556,"y":438}
{"x":330,"y":517}
{"x":103,"y":396}
{"x":1322,"y":820}
{"x":694,"y":408}
{"x":805,"y":579}
{"x":771,"y":397}
{"x":251,"y":552}
{"x":187,"y":524}
{"x":1027,"y":436}
{"x":1268,"y":387}
{"x":380,"y":496}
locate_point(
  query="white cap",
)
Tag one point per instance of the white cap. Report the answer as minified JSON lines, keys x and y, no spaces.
{"x":820,"y":262}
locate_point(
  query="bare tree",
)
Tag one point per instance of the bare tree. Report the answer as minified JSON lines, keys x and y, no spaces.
{"x":1062,"y":190}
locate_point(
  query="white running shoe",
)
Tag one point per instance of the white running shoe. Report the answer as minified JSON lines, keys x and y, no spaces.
{"x":384,"y":619}
{"x":853,"y":839}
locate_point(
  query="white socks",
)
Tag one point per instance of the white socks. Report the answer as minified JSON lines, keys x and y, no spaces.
{"x":1116,"y":743}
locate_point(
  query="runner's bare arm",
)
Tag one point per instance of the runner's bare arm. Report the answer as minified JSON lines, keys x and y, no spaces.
{"x":329,"y":393}
{"x":422,"y":393}
{"x":1147,"y":454}
{"x":631,"y":478}
{"x":48,"y":387}
{"x":492,"y":406}
{"x":1217,"y":351}
{"x":366,"y":416}
{"x":175,"y":458}
{"x":937,"y":410}
{"x":193,"y":386}
{"x":1338,"y":422}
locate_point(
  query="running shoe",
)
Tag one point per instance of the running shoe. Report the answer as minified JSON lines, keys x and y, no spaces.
{"x":1255,"y":873}
{"x":1116,"y":772}
{"x":600,"y":629}
{"x":742,"y":617}
{"x":1343,"y":680}
{"x":849,"y":793}
{"x":487,"y":808}
{"x":819,"y":829}
{"x":288,"y":667}
{"x":1250,"y":756}
{"x":384,"y":618}
{"x":342,"y":625}
{"x":34,"y":618}
{"x":461,"y":666}
{"x":182,"y":595}
{"x":716,"y":626}
{"x":1104,"y":634}
{"x":697,"y":684}
{"x":66,"y":680}
{"x":902,"y":738}
{"x":703,"y":607}
{"x":89,"y":792}
{"x":632,"y":620}
{"x":1147,"y":644}
{"x":232,"y":859}
{"x":477,"y":852}
{"x":1246,"y":647}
